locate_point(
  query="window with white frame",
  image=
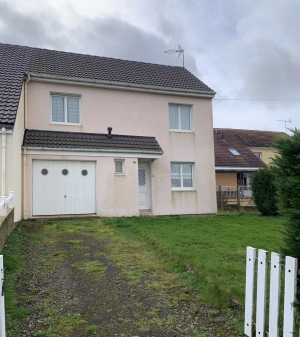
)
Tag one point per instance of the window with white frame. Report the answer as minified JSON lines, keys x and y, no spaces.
{"x":180,"y":118}
{"x":258,"y":154}
{"x":65,"y":109}
{"x":119,"y":166}
{"x":182,"y":175}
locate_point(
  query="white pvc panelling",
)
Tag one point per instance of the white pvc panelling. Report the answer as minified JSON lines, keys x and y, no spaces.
{"x":55,"y":193}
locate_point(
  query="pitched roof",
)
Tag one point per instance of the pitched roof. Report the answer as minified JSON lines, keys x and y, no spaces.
{"x":17,"y":60}
{"x":224,"y":140}
{"x":254,"y":138}
{"x":89,"y":141}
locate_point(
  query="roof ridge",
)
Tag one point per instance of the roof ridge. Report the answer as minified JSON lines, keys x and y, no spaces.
{"x":247,"y":130}
{"x":97,"y":56}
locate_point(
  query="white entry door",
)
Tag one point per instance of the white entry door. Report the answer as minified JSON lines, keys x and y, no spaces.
{"x":63,"y":187}
{"x":144,"y":186}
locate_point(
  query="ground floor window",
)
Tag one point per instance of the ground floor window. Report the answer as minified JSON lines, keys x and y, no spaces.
{"x":182,"y":175}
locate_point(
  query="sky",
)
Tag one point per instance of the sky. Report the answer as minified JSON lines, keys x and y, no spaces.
{"x":247,"y":51}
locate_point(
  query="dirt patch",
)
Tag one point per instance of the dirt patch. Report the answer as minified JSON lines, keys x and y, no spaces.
{"x":74,"y":287}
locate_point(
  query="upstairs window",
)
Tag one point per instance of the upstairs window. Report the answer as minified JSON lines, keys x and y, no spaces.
{"x":179,"y":118}
{"x":65,"y":109}
{"x":234,"y":152}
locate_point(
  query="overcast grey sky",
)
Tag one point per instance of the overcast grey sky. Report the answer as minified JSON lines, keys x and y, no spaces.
{"x":243,"y":49}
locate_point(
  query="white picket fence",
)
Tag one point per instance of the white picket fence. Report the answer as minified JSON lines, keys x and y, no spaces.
{"x":2,"y":308}
{"x":290,"y":288}
{"x":6,"y":202}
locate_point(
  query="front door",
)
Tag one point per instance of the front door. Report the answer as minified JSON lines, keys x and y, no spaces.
{"x":144,"y":186}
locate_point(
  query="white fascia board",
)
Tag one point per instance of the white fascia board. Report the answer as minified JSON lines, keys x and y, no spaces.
{"x":87,"y":153}
{"x":120,"y":86}
{"x":226,"y":168}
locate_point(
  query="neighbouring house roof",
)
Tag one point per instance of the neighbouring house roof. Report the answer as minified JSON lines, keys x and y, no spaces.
{"x":224,"y":139}
{"x":89,"y":141}
{"x":254,"y":138}
{"x":15,"y":61}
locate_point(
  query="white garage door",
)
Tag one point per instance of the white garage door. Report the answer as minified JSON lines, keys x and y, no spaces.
{"x":63,"y":187}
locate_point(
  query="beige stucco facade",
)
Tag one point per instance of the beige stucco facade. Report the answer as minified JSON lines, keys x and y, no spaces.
{"x":266,"y":153}
{"x":226,"y":179}
{"x":132,"y":113}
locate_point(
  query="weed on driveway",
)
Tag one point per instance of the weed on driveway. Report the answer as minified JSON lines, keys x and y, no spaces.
{"x":81,"y":278}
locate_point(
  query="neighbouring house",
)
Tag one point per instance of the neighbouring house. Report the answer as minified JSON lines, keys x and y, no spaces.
{"x":86,"y":134}
{"x":234,"y":161}
{"x":258,"y":141}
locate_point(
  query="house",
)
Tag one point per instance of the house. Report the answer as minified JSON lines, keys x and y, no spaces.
{"x":239,"y":153}
{"x":85,"y":134}
{"x":234,"y":161}
{"x":258,"y":141}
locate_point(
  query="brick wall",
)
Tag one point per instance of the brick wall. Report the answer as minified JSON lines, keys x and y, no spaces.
{"x":6,"y":226}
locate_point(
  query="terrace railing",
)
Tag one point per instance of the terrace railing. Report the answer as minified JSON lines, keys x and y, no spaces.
{"x":6,"y":202}
{"x":233,"y":195}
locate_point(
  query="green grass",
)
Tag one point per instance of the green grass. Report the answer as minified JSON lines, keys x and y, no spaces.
{"x":13,"y":266}
{"x":91,"y":329}
{"x":208,"y":252}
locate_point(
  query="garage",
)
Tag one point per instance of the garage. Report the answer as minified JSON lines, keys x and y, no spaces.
{"x":63,"y":187}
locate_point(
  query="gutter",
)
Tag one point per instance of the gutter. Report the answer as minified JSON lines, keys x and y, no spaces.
{"x":236,"y":169}
{"x":28,"y":148}
{"x":120,"y":85}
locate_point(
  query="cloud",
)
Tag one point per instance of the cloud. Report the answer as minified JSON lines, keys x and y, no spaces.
{"x":269,"y":66}
{"x":104,"y":36}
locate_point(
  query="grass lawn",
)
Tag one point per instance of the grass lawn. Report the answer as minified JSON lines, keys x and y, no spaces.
{"x":209,"y":251}
{"x":203,"y":254}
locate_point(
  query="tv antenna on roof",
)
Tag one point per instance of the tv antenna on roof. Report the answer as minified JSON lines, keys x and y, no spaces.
{"x":289,"y":121}
{"x":179,"y":51}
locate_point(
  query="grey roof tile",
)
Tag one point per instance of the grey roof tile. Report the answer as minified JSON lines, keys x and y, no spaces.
{"x":17,"y":60}
{"x":89,"y":141}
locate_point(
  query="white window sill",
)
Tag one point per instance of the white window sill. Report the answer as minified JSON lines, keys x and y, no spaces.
{"x":62,"y":123}
{"x":180,"y":131}
{"x":183,"y":189}
{"x":119,"y":174}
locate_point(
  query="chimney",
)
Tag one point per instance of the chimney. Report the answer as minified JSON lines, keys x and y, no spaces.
{"x":222,"y":136}
{"x":109,"y":129}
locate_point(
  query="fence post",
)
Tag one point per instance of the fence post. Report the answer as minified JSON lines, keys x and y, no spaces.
{"x":238,"y":196}
{"x":220,"y":198}
{"x":2,"y":307}
{"x":11,"y":201}
{"x":3,"y":210}
{"x":249,"y":291}
{"x":290,"y":289}
{"x":261,"y":292}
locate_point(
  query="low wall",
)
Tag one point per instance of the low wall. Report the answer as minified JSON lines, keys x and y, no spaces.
{"x":6,"y":226}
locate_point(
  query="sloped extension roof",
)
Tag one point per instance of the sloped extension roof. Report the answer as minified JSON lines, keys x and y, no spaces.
{"x":255,"y":138}
{"x":15,"y":61}
{"x":58,"y":140}
{"x":224,"y":140}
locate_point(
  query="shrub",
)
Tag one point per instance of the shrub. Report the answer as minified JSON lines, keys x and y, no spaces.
{"x":286,"y":166}
{"x":264,"y":191}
